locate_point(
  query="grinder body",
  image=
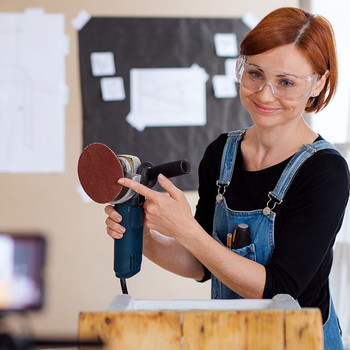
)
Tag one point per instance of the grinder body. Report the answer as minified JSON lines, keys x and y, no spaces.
{"x":128,"y":250}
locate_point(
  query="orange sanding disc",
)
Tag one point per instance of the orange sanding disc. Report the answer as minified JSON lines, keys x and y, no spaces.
{"x":99,"y":170}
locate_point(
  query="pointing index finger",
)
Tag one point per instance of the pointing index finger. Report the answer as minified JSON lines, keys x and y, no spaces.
{"x":135,"y":186}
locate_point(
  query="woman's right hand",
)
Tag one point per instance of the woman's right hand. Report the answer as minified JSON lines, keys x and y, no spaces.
{"x":114,"y":228}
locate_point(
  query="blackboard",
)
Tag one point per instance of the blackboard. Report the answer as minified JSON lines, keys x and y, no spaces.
{"x":156,"y":43}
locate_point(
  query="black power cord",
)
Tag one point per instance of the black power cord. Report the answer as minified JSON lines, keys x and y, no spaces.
{"x":123,"y":286}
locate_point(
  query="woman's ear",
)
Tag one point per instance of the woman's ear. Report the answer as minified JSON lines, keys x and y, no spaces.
{"x":320,"y":84}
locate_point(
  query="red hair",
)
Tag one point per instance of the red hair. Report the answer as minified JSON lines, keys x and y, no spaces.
{"x":312,"y":34}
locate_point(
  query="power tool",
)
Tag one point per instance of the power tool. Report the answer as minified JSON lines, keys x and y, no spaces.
{"x":99,"y":170}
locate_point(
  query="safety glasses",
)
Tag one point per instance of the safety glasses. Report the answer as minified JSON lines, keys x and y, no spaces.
{"x":284,"y":86}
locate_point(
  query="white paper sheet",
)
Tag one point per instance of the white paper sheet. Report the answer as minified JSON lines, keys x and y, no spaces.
{"x":84,"y":197}
{"x":226,"y":44}
{"x":102,"y":63}
{"x":167,"y":97}
{"x":224,"y":86}
{"x":230,"y":67}
{"x":112,"y":89}
{"x":33,"y":93}
{"x":80,"y":20}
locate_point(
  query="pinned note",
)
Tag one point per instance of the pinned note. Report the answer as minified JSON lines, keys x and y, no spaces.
{"x":102,"y":63}
{"x":224,"y":86}
{"x":226,"y":44}
{"x":230,"y":68}
{"x":112,"y":89}
{"x":84,"y":197}
{"x":80,"y":20}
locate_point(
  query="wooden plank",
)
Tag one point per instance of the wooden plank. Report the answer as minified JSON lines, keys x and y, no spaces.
{"x":133,"y":329}
{"x":258,"y":330}
{"x":267,"y":329}
{"x":304,"y":329}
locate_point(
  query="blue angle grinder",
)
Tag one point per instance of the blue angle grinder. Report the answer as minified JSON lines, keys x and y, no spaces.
{"x":99,"y":170}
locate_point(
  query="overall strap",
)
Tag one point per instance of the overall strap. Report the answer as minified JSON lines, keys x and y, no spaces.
{"x":229,"y":156}
{"x":228,"y":162}
{"x":293,"y":166}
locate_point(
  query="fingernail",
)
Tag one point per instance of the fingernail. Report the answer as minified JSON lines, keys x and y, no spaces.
{"x":121,"y":181}
{"x":161,"y":177}
{"x":118,"y":235}
{"x":118,"y":217}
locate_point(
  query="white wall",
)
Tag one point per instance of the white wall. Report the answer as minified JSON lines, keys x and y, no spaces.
{"x":333,"y":122}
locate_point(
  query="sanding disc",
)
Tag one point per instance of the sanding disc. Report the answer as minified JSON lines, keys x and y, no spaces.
{"x":99,"y":170}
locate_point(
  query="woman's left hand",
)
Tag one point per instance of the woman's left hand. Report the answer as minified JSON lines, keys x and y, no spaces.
{"x":166,"y":214}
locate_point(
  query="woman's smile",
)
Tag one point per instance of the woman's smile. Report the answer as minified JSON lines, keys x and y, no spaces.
{"x":265,"y":109}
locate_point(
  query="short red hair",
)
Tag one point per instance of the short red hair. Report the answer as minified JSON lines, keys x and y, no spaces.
{"x":312,"y":34}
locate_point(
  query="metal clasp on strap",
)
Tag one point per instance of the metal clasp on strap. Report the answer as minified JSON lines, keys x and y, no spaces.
{"x":277,"y":200}
{"x":221,"y":191}
{"x":312,"y":151}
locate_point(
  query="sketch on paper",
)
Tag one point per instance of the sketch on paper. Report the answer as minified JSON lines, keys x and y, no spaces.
{"x":167,"y":97}
{"x":33,"y":93}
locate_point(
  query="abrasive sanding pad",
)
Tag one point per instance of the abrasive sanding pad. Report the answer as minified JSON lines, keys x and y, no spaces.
{"x":99,"y":170}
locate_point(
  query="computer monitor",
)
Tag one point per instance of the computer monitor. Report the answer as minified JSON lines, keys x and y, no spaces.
{"x":22,"y":258}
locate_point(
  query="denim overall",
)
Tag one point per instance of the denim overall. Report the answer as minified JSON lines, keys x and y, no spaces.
{"x":261,"y":223}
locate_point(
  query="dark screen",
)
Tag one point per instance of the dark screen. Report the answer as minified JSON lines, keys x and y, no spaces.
{"x":21,"y":271}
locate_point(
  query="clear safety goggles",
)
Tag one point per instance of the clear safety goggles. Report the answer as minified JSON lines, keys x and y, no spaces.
{"x":284,"y":86}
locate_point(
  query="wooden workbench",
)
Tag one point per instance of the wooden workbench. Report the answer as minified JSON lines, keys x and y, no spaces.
{"x":269,"y":328}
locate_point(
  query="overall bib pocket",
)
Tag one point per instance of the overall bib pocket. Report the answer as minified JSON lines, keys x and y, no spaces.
{"x":248,"y":251}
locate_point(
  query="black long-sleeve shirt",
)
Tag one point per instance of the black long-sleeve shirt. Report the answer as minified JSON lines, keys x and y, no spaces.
{"x":306,"y":224}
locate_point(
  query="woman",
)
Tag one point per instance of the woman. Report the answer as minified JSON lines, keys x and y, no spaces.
{"x":281,"y":178}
